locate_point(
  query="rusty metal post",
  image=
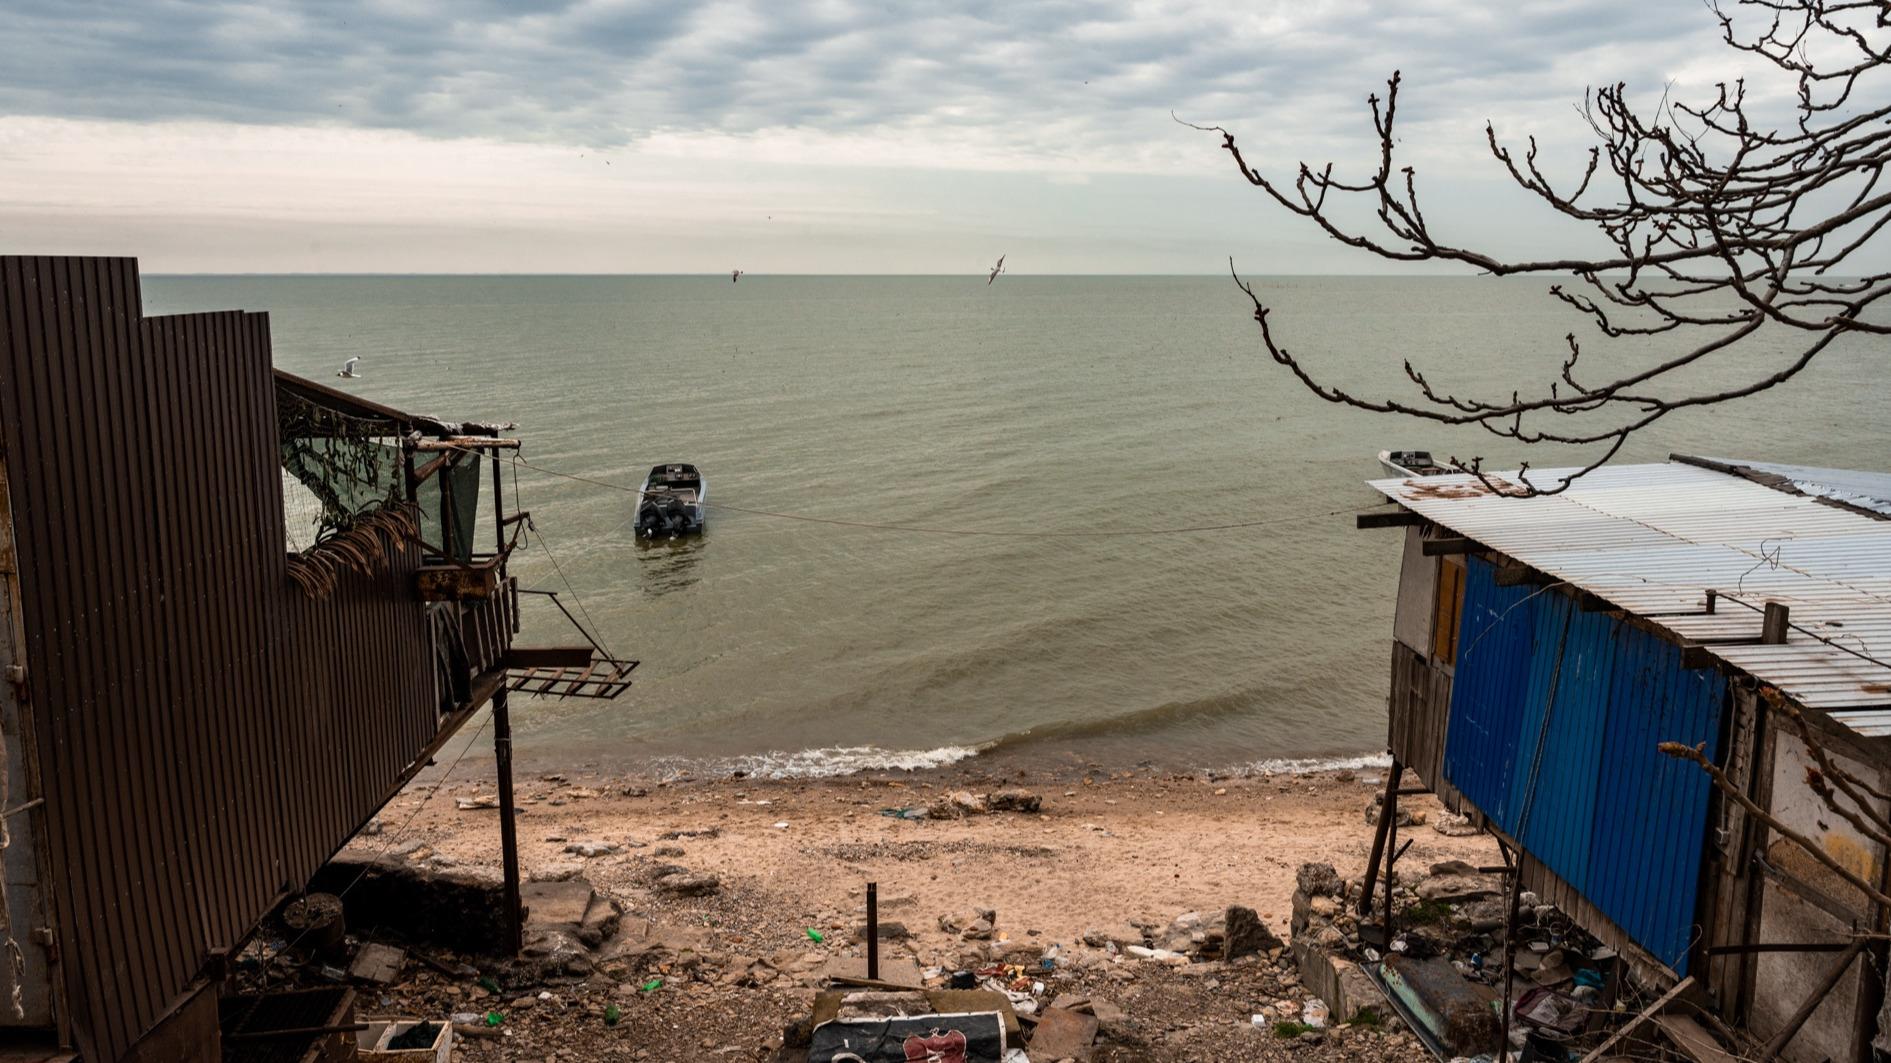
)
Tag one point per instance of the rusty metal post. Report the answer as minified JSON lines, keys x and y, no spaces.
{"x":1515,"y":868}
{"x":508,"y":825}
{"x":1378,"y":841}
{"x":873,"y":931}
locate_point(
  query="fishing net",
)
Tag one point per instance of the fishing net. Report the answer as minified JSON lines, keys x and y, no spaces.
{"x":344,"y":496}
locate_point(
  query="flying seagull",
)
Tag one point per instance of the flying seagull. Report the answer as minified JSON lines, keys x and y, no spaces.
{"x":735,"y":275}
{"x":995,"y":271}
{"x":348,"y":369}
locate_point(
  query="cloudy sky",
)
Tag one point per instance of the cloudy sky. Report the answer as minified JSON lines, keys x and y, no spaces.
{"x":830,"y":137}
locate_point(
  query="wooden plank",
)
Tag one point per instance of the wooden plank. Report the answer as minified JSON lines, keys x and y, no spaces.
{"x":1635,"y":1023}
{"x":548,"y":656}
{"x":1692,"y":1039}
{"x":1442,"y":547}
{"x":1398,"y":518}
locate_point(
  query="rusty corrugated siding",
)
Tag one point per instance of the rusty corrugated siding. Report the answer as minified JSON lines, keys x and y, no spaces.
{"x":208,"y":736}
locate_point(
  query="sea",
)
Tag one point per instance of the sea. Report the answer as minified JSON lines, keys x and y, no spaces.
{"x":1065,"y":520}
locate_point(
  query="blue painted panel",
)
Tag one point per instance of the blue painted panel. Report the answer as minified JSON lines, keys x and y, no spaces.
{"x":1555,"y":719}
{"x":1495,"y":640}
{"x":1650,"y":833}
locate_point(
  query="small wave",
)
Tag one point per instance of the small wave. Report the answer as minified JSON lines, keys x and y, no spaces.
{"x":1307,"y":765}
{"x":1147,"y":721}
{"x":817,"y":763}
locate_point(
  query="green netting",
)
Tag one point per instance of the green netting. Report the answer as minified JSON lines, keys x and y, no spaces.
{"x":351,"y":471}
{"x":461,"y":503}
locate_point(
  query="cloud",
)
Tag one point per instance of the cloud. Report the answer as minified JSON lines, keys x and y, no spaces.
{"x":994,"y":84}
{"x":632,"y":135}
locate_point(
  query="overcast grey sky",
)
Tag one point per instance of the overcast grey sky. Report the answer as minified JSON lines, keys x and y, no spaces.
{"x":897,"y":137}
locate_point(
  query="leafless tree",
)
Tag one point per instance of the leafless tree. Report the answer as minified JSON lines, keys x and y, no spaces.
{"x":1724,"y":227}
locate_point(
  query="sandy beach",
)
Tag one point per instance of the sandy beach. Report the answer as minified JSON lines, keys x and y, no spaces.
{"x":1106,"y":849}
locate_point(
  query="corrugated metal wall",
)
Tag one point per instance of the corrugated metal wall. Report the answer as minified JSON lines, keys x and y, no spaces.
{"x":208,"y":735}
{"x":1555,"y":718}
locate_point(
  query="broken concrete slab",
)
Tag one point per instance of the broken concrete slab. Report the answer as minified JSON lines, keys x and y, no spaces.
{"x":1243,"y":934}
{"x":1338,"y":981}
{"x":378,"y":964}
{"x":896,"y":970}
{"x":1064,"y":1034}
{"x":461,"y":909}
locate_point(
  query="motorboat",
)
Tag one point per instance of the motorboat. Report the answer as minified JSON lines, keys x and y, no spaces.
{"x":1411,"y":463}
{"x":670,"y":502}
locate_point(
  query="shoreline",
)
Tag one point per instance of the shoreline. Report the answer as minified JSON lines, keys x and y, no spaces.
{"x":1108,"y":848}
{"x":839,"y":762}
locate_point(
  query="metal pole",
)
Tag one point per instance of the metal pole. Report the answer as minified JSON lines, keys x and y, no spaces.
{"x":1510,"y":944}
{"x":508,"y":825}
{"x":873,"y":931}
{"x":1378,"y":842}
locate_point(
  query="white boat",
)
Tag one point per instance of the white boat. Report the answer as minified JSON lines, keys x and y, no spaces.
{"x":670,"y":502}
{"x":1411,"y":463}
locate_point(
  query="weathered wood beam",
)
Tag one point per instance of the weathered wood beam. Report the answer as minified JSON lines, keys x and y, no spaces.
{"x":548,"y":656}
{"x":1441,"y":547}
{"x":1635,"y":1023}
{"x":467,"y":443}
{"x":1398,"y":518}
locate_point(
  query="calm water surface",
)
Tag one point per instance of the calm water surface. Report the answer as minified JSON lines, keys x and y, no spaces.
{"x":1033,"y":405}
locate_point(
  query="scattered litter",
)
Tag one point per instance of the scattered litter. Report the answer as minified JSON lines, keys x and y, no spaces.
{"x":653,"y":985}
{"x":1315,"y":1013}
{"x":467,"y":804}
{"x":816,"y":936}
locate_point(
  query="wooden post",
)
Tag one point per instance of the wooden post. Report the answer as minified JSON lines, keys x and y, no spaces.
{"x":1378,"y":842}
{"x":873,"y":931}
{"x":508,"y":825}
{"x":1389,"y":813}
{"x":1773,"y":628}
{"x":498,"y":510}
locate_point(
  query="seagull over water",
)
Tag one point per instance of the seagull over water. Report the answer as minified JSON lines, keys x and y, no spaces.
{"x":348,"y":369}
{"x":735,"y":275}
{"x":995,"y":271}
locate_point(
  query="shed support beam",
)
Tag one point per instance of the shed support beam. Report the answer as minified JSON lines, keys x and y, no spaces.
{"x":1441,"y":547}
{"x":1379,"y":835}
{"x":1398,"y":518}
{"x":508,"y":823}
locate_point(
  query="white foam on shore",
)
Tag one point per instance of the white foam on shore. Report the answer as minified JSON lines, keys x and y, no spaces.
{"x":1306,"y":765}
{"x":819,"y":763}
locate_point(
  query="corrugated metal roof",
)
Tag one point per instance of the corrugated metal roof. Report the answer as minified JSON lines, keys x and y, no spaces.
{"x":1653,"y":539}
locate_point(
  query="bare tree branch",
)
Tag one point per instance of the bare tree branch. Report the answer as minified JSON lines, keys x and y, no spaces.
{"x":1722,"y":228}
